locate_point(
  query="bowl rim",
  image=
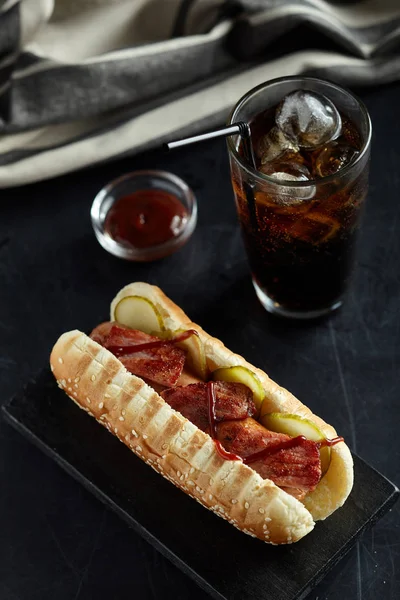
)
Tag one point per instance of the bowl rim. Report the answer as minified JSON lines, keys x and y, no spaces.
{"x":152,"y":252}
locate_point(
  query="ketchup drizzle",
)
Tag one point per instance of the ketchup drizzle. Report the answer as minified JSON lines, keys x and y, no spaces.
{"x":124,"y":350}
{"x":224,"y":453}
{"x":213,"y":424}
{"x":331,"y":442}
{"x":212,"y":419}
{"x":272,"y":449}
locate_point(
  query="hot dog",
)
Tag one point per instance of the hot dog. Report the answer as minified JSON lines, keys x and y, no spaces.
{"x":172,"y":394}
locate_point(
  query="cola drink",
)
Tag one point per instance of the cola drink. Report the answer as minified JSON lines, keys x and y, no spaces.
{"x":300,"y":214}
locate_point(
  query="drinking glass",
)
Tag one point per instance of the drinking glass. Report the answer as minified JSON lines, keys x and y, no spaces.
{"x":300,"y":235}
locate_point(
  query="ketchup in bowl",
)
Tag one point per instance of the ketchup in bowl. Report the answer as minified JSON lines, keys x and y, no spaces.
{"x":146,"y":218}
{"x":144,"y":215}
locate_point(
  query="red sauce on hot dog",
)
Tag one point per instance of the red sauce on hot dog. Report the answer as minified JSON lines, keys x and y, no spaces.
{"x":124,"y":350}
{"x":272,"y":449}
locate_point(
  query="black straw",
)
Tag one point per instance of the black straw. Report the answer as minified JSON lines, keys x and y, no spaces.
{"x":240,"y":128}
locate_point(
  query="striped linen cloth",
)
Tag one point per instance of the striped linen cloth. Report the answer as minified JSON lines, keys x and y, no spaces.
{"x":82,"y":81}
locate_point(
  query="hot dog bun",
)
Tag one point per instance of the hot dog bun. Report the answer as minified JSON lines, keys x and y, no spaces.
{"x":98,"y":382}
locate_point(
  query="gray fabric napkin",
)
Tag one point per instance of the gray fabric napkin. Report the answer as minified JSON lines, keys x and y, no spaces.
{"x":82,"y":81}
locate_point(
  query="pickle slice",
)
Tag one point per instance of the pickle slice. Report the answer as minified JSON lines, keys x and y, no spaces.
{"x":195,"y":355}
{"x":243,"y":375}
{"x":295,"y":425}
{"x":139,"y":313}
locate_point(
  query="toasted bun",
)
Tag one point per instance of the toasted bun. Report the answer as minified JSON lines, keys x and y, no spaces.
{"x":99,"y":384}
{"x":172,"y":445}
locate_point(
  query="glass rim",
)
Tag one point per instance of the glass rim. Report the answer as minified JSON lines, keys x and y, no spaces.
{"x":290,"y":183}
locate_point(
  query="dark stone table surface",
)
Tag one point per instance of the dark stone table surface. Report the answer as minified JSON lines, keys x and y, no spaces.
{"x":59,"y":542}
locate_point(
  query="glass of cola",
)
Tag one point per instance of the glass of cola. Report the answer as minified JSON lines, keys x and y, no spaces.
{"x":299,"y":207}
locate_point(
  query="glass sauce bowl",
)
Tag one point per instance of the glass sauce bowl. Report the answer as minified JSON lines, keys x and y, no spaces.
{"x":164,"y":185}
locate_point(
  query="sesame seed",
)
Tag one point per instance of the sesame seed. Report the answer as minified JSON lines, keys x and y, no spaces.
{"x":267,"y":519}
{"x":246,"y":505}
{"x":138,"y":448}
{"x":107,"y":396}
{"x":210,"y":497}
{"x":102,"y":416}
{"x":88,"y":400}
{"x":93,"y":377}
{"x":164,"y":456}
{"x":77,"y":379}
{"x":70,"y":389}
{"x":101,"y":404}
{"x":52,"y":368}
{"x":123,"y":411}
{"x":191,"y":470}
{"x":261,"y":511}
{"x":182,"y":477}
{"x":178,"y":473}
{"x":197,"y":488}
{"x":69,"y":379}
{"x":234,"y":501}
{"x":60,"y":360}
{"x":127,"y":437}
{"x":191,"y":483}
{"x":116,"y":429}
{"x":121,"y":419}
{"x":134,"y":433}
{"x":145,"y":436}
{"x":75,"y":394}
{"x":265,"y":526}
{"x":164,"y":446}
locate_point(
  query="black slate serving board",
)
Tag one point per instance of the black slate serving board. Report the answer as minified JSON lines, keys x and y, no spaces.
{"x":223,"y":561}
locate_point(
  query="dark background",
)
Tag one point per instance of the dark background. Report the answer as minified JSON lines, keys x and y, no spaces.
{"x":57,"y":541}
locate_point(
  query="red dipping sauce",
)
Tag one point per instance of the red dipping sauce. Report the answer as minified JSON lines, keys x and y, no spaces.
{"x":146,"y":218}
